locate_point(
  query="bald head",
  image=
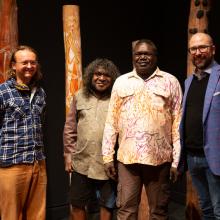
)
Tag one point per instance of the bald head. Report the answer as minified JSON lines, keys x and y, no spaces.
{"x":202,"y":50}
{"x":199,"y":38}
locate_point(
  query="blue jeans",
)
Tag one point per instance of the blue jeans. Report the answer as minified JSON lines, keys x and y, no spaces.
{"x":207,"y":185}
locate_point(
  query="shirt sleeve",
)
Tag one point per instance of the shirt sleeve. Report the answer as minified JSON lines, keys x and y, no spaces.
{"x":176,"y":102}
{"x":111,"y":127}
{"x":70,"y":129}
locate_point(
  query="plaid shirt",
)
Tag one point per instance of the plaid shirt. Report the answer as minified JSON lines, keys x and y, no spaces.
{"x":21,"y":139}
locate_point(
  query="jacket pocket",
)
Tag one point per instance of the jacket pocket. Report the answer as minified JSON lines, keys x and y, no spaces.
{"x":216,"y":100}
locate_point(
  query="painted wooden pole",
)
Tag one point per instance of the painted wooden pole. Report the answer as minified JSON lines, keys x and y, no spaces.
{"x":198,"y":22}
{"x":72,"y":45}
{"x":143,"y":211}
{"x":8,"y":34}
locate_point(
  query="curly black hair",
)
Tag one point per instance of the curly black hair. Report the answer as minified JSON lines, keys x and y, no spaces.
{"x":108,"y":65}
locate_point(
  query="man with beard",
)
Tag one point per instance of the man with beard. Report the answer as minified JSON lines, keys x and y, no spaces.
{"x":144,"y":112}
{"x":23,"y":178}
{"x":83,"y":134}
{"x":200,"y":125}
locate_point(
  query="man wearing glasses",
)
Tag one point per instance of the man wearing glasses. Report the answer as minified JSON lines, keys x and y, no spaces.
{"x":22,"y":160}
{"x":200,"y":125}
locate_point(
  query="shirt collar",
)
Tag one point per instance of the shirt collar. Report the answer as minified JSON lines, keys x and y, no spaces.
{"x":209,"y":68}
{"x":157,"y":72}
{"x":13,"y":84}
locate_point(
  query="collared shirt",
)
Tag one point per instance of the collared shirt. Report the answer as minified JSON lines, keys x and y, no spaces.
{"x":83,"y":134}
{"x":21,"y":138}
{"x":146,"y":116}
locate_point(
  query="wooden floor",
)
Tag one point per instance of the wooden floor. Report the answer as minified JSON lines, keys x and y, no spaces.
{"x":176,"y":212}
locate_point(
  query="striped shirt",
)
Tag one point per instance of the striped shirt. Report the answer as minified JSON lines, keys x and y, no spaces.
{"x":21,"y":114}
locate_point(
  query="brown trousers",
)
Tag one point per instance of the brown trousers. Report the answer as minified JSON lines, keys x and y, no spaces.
{"x":23,"y":192}
{"x":156,"y":182}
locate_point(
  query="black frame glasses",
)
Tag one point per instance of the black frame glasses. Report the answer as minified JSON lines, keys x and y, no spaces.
{"x":201,"y":48}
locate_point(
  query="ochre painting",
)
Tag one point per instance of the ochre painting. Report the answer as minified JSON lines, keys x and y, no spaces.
{"x":72,"y":43}
{"x":8,"y":34}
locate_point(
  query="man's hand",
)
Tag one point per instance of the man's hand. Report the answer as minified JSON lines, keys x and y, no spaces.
{"x":173,"y":174}
{"x":110,"y":170}
{"x":68,"y":162}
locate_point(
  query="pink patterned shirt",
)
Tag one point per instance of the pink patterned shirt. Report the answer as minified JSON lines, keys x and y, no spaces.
{"x":146,"y":116}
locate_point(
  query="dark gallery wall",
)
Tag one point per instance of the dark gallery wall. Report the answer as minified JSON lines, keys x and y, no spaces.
{"x":107,"y":29}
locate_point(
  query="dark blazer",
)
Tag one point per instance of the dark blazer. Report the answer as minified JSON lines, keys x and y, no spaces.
{"x":211,"y":122}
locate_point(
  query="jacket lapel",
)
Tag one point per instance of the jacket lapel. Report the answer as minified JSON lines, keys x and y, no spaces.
{"x":187,"y":85}
{"x":212,"y":83}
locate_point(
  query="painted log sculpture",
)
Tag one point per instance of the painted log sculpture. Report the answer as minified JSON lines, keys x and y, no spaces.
{"x":143,"y":211}
{"x":8,"y":34}
{"x":72,"y":44}
{"x":198,"y":22}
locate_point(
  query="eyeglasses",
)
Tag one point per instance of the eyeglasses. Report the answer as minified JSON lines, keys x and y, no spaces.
{"x":26,"y":62}
{"x":201,"y":48}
